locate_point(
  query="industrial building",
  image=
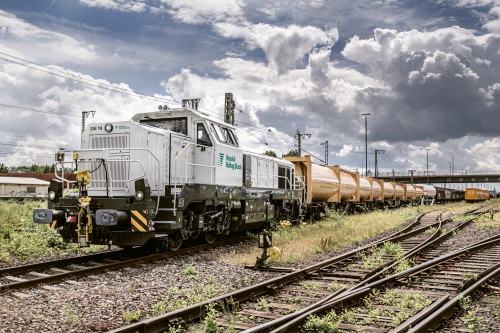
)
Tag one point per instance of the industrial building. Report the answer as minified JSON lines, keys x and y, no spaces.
{"x":23,"y":187}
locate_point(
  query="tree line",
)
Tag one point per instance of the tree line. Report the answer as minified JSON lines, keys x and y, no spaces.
{"x":34,"y":168}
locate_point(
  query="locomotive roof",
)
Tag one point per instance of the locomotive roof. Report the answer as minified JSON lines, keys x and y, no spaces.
{"x":178,"y":112}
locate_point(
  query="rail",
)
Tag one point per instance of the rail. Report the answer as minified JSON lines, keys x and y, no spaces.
{"x":105,"y":159}
{"x":162,"y":322}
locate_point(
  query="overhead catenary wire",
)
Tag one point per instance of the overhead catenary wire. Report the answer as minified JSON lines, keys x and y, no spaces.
{"x":395,"y":162}
{"x":80,"y":79}
{"x":390,"y":163}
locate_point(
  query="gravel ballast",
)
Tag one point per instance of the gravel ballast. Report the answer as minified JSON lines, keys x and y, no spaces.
{"x":98,"y":303}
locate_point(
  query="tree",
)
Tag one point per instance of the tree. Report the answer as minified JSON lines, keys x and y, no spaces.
{"x":270,"y":153}
{"x":293,"y":153}
{"x":3,"y":168}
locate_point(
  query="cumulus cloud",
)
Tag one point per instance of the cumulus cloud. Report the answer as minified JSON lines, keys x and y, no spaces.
{"x":203,"y":11}
{"x":40,"y":43}
{"x":283,"y":46}
{"x":120,"y":5}
{"x":436,"y":85}
{"x":493,"y":23}
{"x":32,"y":137}
{"x":487,"y":154}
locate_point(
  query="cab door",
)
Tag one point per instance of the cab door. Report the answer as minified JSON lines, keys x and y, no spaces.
{"x":203,"y":155}
{"x":181,"y":159}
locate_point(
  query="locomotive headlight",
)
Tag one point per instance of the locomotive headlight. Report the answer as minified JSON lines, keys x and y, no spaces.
{"x":139,"y":195}
{"x":52,"y":195}
{"x":108,"y":128}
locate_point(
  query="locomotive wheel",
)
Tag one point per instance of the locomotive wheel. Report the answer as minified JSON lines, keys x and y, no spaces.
{"x":175,"y":242}
{"x":210,"y":236}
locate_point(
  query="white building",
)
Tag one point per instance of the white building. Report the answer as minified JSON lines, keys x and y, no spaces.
{"x":23,"y":187}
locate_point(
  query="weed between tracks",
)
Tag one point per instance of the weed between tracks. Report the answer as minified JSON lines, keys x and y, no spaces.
{"x":336,"y":230}
{"x":390,"y":308}
{"x":21,"y":239}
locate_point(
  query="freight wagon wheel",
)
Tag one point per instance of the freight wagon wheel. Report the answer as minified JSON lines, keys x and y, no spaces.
{"x":175,"y":242}
{"x":210,"y":236}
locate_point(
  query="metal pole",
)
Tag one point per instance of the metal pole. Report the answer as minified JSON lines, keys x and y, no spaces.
{"x":366,"y":145}
{"x":376,"y":160}
{"x":326,"y":151}
{"x":85,"y":115}
{"x":229,"y":106}
{"x":299,"y":137}
{"x":427,"y":166}
{"x":450,"y":172}
{"x":366,"y":142}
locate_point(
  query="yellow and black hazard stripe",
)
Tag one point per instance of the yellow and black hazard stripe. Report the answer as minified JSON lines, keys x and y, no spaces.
{"x":138,"y":220}
{"x":53,"y":224}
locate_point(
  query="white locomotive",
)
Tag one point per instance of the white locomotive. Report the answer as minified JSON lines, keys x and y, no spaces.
{"x":166,"y":176}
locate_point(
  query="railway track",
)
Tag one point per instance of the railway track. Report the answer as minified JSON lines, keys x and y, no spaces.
{"x":45,"y":273}
{"x":291,"y":294}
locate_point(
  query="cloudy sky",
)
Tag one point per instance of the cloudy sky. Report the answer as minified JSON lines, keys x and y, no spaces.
{"x":428,"y":72}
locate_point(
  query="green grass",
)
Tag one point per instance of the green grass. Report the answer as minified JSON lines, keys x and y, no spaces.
{"x":21,"y":239}
{"x":337,"y":230}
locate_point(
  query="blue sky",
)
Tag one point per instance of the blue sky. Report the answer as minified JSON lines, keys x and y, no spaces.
{"x":427,"y":71}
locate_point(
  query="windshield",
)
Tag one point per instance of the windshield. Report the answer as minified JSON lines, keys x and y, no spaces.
{"x":177,"y":125}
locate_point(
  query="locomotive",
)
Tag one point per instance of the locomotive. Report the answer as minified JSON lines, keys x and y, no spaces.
{"x":176,"y":174}
{"x":165,"y":177}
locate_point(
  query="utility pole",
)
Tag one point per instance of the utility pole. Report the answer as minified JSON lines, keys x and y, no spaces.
{"x":450,"y":172}
{"x":85,"y":115}
{"x":299,"y":138}
{"x":366,"y":141}
{"x":326,"y":151}
{"x":229,"y":106}
{"x":453,"y":164}
{"x":362,"y":165}
{"x":411,"y":171}
{"x":427,"y":165}
{"x":376,"y":161}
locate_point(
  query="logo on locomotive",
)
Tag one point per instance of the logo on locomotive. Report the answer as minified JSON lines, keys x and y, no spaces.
{"x":230,"y":162}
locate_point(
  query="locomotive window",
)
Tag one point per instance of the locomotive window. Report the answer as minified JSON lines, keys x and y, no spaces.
{"x":177,"y":125}
{"x":224,"y":135}
{"x":234,"y":137}
{"x":202,"y":136}
{"x":227,"y":136}
{"x":218,"y":133}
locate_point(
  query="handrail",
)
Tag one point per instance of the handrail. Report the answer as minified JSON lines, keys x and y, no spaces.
{"x":274,"y":176}
{"x":212,"y":174}
{"x":107,"y":152}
